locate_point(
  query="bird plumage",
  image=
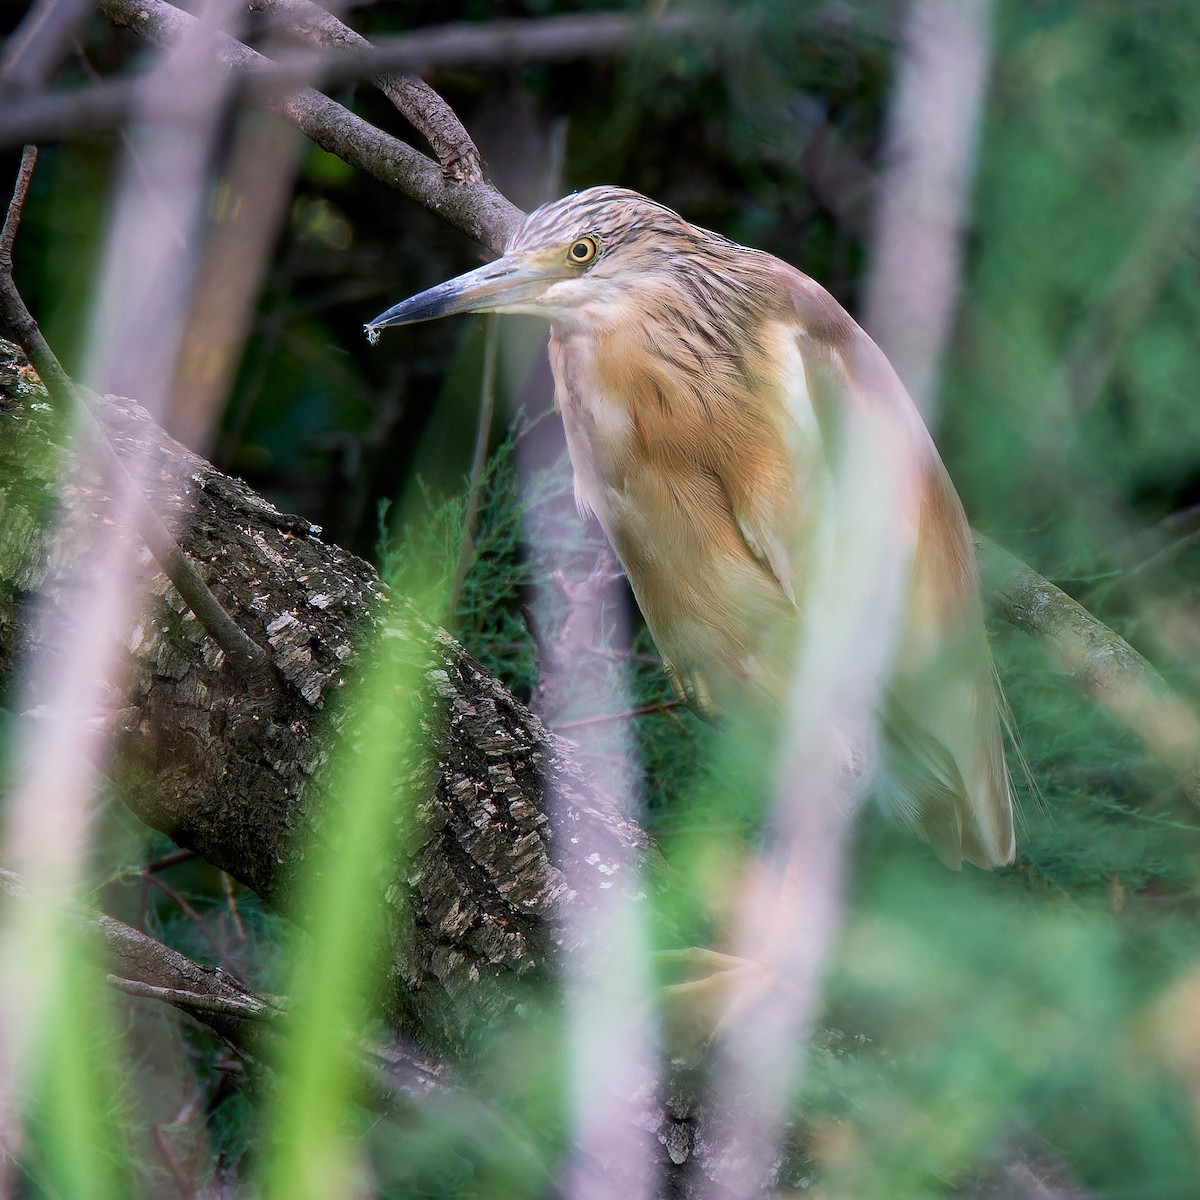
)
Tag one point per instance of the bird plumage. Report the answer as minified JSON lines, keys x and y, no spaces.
{"x":704,"y":388}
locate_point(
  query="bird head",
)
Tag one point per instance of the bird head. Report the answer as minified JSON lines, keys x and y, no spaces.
{"x":572,"y":261}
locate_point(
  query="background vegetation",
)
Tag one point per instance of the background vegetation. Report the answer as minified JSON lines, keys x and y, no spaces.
{"x":1048,"y":1012}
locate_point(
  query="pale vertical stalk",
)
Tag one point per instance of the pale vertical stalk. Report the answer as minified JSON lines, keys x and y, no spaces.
{"x":149,"y":263}
{"x":790,"y":911}
{"x":933,"y":129}
{"x":611,"y":1036}
{"x":38,"y":45}
{"x":73,"y":680}
{"x":791,"y":908}
{"x":247,"y":210}
{"x":611,"y":1027}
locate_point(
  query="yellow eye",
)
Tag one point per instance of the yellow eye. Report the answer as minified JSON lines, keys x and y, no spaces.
{"x":584,"y":250}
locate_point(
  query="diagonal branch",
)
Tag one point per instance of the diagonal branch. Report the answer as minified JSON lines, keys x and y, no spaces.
{"x":415,"y":99}
{"x":1104,"y":665}
{"x":477,"y":209}
{"x":139,"y":961}
{"x":144,"y":967}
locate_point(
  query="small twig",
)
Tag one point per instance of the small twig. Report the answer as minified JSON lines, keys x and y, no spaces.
{"x":182,"y":903}
{"x":662,"y":706}
{"x":1184,"y":522}
{"x":12,"y":219}
{"x":193,"y":914}
{"x":231,"y":901}
{"x":243,"y":653}
{"x":487,"y":407}
{"x":171,"y":859}
{"x":1150,"y":549}
{"x":176,"y":1171}
{"x":1160,"y":557}
{"x":558,"y":38}
{"x":515,"y":41}
{"x":51,"y":116}
{"x":146,"y":968}
{"x":35,"y":49}
{"x":1150,"y":253}
{"x":138,"y":958}
{"x":135,"y":159}
{"x":244,"y":1006}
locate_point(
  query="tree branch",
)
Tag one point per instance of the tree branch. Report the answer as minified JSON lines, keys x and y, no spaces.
{"x":425,"y":110}
{"x":139,"y":961}
{"x":1103,"y":664}
{"x":476,"y":209}
{"x":143,"y":967}
{"x":244,"y":1006}
{"x":561,"y":37}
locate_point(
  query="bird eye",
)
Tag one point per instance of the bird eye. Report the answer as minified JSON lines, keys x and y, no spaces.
{"x":584,"y":250}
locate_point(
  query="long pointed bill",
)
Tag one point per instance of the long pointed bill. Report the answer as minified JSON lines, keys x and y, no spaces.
{"x":501,"y":285}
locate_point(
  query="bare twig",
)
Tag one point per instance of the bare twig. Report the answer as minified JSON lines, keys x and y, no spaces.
{"x":136,"y":958}
{"x":163,"y":213}
{"x":243,"y":653}
{"x":242,"y":1007}
{"x":176,"y":1171}
{"x":559,"y":38}
{"x":414,"y":98}
{"x":192,"y":913}
{"x":663,"y":706}
{"x":12,"y":219}
{"x":512,"y":42}
{"x":42,"y":116}
{"x":170,"y":859}
{"x":1151,"y":251}
{"x":232,"y":904}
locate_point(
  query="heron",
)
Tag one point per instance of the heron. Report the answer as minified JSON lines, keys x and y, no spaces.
{"x":704,"y":387}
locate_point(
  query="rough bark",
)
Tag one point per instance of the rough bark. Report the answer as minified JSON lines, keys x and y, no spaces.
{"x":236,"y":770}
